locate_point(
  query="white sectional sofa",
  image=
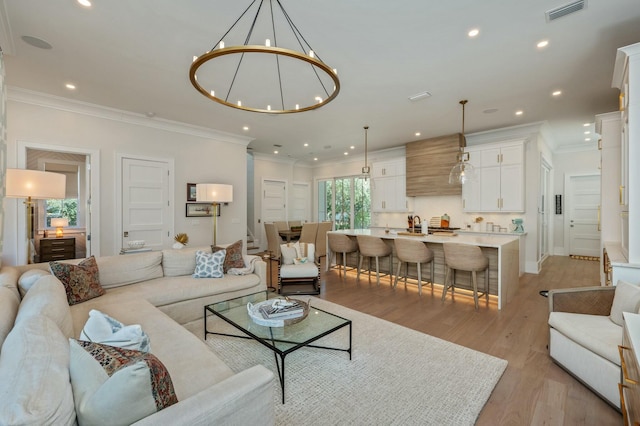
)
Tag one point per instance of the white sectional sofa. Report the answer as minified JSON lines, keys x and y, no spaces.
{"x":153,"y":289}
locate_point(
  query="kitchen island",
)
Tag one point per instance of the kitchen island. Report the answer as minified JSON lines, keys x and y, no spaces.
{"x":502,"y":251}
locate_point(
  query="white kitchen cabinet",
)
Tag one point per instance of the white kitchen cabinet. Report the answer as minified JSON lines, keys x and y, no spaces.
{"x":499,"y":185}
{"x":388,"y":186}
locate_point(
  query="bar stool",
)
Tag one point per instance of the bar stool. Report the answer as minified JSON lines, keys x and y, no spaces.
{"x":374,"y":247}
{"x":413,"y":251}
{"x":340,"y":243}
{"x":464,"y":257}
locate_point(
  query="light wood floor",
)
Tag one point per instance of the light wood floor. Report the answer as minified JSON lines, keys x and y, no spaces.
{"x":533,"y":389}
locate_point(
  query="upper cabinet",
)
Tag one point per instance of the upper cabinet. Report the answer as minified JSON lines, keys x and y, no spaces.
{"x":626,"y":77}
{"x":388,"y":191}
{"x":499,"y":184}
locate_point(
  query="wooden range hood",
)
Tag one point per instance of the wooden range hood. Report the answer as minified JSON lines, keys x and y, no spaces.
{"x":429,"y":162}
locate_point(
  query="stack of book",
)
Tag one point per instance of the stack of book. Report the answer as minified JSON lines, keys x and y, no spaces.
{"x":290,"y":309}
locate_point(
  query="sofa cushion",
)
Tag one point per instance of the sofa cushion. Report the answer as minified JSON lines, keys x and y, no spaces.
{"x":594,"y":332}
{"x":180,"y":262}
{"x":126,"y":269}
{"x":192,"y":365}
{"x":626,"y":299}
{"x":34,"y":375}
{"x":101,"y":328}
{"x":9,"y":303}
{"x":302,"y":270}
{"x":117,"y":386}
{"x":81,"y":281}
{"x":233,"y":258}
{"x":29,"y":278}
{"x":209,"y":265}
{"x":47,"y":297}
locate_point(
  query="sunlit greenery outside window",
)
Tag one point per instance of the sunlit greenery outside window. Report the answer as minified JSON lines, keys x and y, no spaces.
{"x":62,"y":208}
{"x":345,"y":201}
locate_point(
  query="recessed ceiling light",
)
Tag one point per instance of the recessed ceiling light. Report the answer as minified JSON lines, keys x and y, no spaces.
{"x":587,"y":139}
{"x":85,"y":3}
{"x":587,"y":132}
{"x":587,"y":124}
{"x":418,"y":133}
{"x":306,"y":144}
{"x":315,"y":158}
{"x":543,"y":43}
{"x":36,"y":42}
{"x":245,"y":128}
{"x":473,"y":33}
{"x":557,"y":93}
{"x":352,"y":147}
{"x":70,"y":86}
{"x":346,"y":153}
{"x":275,"y":152}
{"x":519,"y":112}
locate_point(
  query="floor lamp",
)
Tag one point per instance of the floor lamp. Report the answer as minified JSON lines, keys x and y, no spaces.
{"x":214,"y":193}
{"x":33,"y":185}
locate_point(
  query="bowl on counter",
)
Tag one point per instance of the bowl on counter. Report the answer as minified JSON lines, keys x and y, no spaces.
{"x":136,"y":244}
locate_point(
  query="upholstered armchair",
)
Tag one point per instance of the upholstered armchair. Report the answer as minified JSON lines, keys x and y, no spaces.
{"x":298,"y":270}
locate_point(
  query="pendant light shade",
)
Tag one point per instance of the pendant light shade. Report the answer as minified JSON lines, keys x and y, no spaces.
{"x":463,"y":171}
{"x":366,"y":170}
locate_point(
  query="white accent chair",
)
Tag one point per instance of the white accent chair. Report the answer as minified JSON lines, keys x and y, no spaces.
{"x":298,"y":270}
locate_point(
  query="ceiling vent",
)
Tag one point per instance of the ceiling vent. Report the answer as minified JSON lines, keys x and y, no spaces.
{"x":565,"y":10}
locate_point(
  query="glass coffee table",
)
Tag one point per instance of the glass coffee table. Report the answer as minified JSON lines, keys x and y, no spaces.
{"x":281,"y":340}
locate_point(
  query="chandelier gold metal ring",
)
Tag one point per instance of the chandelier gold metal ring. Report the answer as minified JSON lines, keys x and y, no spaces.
{"x":272,"y":50}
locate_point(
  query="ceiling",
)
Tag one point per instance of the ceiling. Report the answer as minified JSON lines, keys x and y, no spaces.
{"x":135,"y":56}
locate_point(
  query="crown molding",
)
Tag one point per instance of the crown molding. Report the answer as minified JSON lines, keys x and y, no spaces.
{"x":523,"y":131}
{"x":69,"y":105}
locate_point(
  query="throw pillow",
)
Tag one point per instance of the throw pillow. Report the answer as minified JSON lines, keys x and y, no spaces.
{"x":300,"y":260}
{"x":117,"y":386}
{"x":626,"y":299}
{"x":289,"y":252}
{"x":101,"y":328}
{"x":81,"y":281}
{"x":209,"y":265}
{"x":233,"y":259}
{"x":29,"y":278}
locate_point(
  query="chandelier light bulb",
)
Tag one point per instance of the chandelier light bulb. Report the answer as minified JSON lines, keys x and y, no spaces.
{"x":297,"y":106}
{"x":268,"y":107}
{"x":312,"y":54}
{"x":213,"y":93}
{"x":267,"y":43}
{"x":239,"y":103}
{"x":221,"y":44}
{"x":194,"y":58}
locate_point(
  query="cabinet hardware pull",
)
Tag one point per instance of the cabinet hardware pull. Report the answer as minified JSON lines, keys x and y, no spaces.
{"x":623,"y":364}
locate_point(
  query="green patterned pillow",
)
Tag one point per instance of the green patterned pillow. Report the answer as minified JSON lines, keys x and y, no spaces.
{"x":117,"y":386}
{"x":209,"y":265}
{"x":81,"y":281}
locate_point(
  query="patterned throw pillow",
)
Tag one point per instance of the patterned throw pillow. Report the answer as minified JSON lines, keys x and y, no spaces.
{"x":117,"y":386}
{"x":234,"y":258}
{"x":81,"y":281}
{"x":209,"y":265}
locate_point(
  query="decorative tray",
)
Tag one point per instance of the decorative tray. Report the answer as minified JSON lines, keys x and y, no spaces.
{"x":257,"y":316}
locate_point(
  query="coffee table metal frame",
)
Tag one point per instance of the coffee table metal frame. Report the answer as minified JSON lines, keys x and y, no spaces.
{"x":271,"y":337}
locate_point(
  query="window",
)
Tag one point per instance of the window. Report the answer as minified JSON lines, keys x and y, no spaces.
{"x":345,"y":201}
{"x":61,"y":208}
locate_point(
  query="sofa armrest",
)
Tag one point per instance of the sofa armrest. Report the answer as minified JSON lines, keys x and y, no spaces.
{"x":245,"y":398}
{"x":583,"y":300}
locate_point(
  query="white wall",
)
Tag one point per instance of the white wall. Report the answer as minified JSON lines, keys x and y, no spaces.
{"x":200,"y":155}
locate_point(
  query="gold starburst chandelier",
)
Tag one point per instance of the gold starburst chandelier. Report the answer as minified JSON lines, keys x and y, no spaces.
{"x":265,"y":77}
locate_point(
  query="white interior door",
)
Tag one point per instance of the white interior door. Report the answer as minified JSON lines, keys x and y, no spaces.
{"x":300,"y":205}
{"x":274,"y":204}
{"x":146,"y":211}
{"x":544,"y":211}
{"x":583,"y":198}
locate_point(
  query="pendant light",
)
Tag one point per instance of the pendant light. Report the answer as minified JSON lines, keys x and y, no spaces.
{"x":365,"y":169}
{"x":463,"y":171}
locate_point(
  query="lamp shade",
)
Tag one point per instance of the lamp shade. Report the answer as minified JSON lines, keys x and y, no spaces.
{"x":21,"y":183}
{"x":59,"y":222}
{"x":214,"y":193}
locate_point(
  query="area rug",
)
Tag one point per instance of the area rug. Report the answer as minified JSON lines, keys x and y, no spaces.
{"x":397,"y":376}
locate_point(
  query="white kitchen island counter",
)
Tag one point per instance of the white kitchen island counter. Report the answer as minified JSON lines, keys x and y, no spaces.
{"x":502,"y":251}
